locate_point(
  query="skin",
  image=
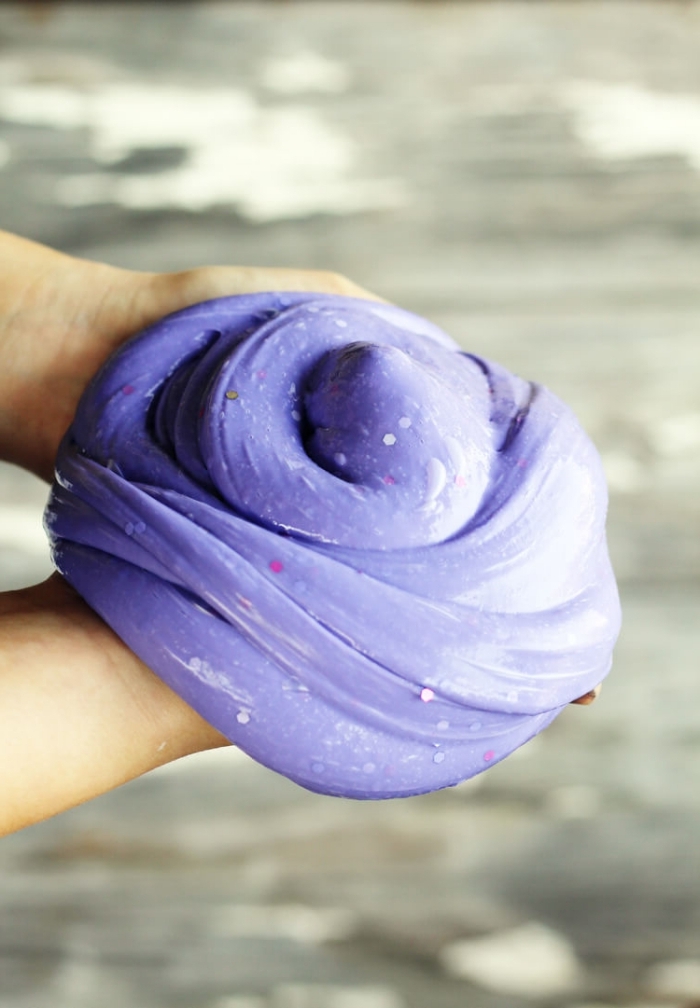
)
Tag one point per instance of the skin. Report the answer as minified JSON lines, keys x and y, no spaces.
{"x":79,"y":713}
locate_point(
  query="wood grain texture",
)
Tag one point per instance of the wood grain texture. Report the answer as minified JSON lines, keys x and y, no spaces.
{"x":495,"y":192}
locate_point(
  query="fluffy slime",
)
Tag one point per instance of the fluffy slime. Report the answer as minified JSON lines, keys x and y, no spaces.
{"x":376,"y":563}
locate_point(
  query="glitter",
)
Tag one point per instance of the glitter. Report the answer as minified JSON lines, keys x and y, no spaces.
{"x":129,"y":528}
{"x":296,"y":415}
{"x":460,"y":481}
{"x":443,"y":725}
{"x":318,"y":768}
{"x":262,"y":375}
{"x":243,"y":717}
{"x":404,"y":422}
{"x":389,"y":439}
{"x":128,"y":389}
{"x":369,"y":768}
{"x":341,"y":323}
{"x":140,"y":527}
{"x":489,"y":754}
{"x":232,"y":394}
{"x":438,"y":757}
{"x":475,"y":726}
{"x":389,"y":480}
{"x":339,"y":458}
{"x":276,"y":566}
{"x":426,"y":695}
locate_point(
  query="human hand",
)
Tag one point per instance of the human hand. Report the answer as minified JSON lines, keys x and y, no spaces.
{"x":62,"y":317}
{"x":79,"y":713}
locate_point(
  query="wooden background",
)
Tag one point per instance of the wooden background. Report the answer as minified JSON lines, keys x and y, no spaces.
{"x":528,"y":176}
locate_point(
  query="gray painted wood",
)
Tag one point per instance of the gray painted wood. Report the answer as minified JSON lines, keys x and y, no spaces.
{"x":487,"y":199}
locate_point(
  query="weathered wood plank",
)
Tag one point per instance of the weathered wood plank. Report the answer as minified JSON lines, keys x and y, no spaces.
{"x":528,"y":175}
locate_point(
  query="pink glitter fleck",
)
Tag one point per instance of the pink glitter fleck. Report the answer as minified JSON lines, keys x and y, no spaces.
{"x":427,"y":695}
{"x":128,"y":389}
{"x":489,"y":754}
{"x":389,"y":480}
{"x":262,"y":375}
{"x":276,"y":566}
{"x":460,"y":481}
{"x":521,"y":463}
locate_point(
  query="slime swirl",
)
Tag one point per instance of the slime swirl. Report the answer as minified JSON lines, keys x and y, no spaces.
{"x":376,"y":563}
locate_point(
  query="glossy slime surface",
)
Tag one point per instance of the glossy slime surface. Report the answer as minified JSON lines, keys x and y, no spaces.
{"x":376,"y":563}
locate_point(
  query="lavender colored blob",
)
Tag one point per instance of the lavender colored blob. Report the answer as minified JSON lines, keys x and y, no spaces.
{"x":376,"y":563}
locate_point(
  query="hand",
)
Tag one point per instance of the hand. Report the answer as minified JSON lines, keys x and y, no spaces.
{"x":79,"y":713}
{"x":61,"y":317}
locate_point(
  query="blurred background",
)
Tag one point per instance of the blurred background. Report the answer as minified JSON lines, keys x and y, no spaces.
{"x":527,"y":175}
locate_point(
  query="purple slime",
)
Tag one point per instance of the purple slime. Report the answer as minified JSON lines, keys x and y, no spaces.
{"x":376,"y":563}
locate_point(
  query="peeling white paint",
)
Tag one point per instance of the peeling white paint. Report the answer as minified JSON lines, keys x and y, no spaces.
{"x":334,"y":996}
{"x":573,"y":801}
{"x":241,"y":1001}
{"x":676,"y":435}
{"x":626,"y":121}
{"x":295,"y":921}
{"x":624,"y":473}
{"x":269,"y":162}
{"x":304,"y":72}
{"x":674,"y":980}
{"x":528,"y":961}
{"x":21,"y":529}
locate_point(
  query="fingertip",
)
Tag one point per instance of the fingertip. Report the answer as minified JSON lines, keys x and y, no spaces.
{"x":588,"y":698}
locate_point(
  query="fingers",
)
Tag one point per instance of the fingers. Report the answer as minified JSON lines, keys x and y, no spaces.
{"x":79,"y":713}
{"x":178,"y":290}
{"x":589,"y":697}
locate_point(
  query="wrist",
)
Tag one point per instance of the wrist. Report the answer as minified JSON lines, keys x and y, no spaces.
{"x":79,"y":713}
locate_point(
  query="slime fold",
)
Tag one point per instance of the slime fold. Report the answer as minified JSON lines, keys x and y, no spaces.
{"x":376,"y":563}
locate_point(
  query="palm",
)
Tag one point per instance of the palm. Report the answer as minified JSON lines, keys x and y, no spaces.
{"x":72,"y":695}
